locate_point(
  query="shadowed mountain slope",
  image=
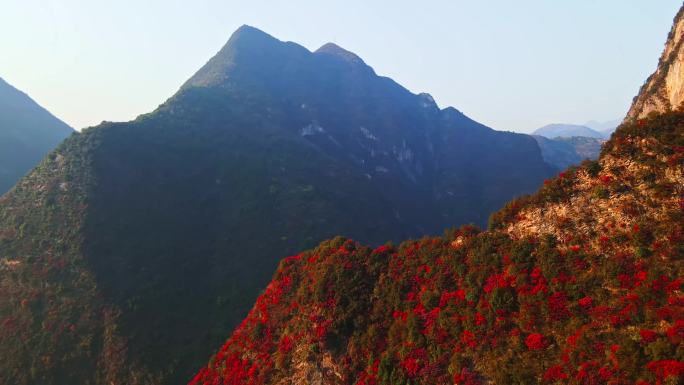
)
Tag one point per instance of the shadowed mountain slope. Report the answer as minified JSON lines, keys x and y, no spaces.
{"x":134,"y":248}
{"x":27,"y":133}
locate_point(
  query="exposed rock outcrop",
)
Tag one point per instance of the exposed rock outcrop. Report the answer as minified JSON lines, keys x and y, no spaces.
{"x":664,"y":90}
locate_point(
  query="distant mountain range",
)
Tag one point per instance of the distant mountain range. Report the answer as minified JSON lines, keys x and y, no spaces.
{"x":565,"y":145}
{"x":567,"y":130}
{"x":134,"y":248}
{"x":27,"y":133}
{"x":606,"y":128}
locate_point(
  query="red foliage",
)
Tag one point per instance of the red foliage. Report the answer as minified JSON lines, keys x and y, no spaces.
{"x":666,"y":368}
{"x":588,"y":373}
{"x":497,"y":280}
{"x":605,"y":373}
{"x":480,"y":319}
{"x":648,"y":336}
{"x":555,"y":373}
{"x":321,"y":330}
{"x":381,"y":249}
{"x":451,"y":296}
{"x":402,"y":315}
{"x":675,"y":333}
{"x":538,"y":283}
{"x":586,"y":302}
{"x":558,"y":306}
{"x":468,"y":338}
{"x":674,"y":285}
{"x":411,"y":367}
{"x":466,"y":377}
{"x":535,"y":341}
{"x":286,"y":344}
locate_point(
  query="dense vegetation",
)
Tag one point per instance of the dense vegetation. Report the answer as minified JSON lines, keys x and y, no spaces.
{"x":27,"y":133}
{"x":131,"y":252}
{"x":594,"y":301}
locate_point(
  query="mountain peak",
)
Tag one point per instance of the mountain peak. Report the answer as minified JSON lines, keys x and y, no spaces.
{"x":248,"y":32}
{"x":336,"y":50}
{"x":248,"y":47}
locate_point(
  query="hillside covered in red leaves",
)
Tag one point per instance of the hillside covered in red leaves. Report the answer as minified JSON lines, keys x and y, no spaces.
{"x":589,"y":298}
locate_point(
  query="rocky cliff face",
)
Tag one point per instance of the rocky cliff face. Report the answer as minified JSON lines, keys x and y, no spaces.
{"x":664,"y":90}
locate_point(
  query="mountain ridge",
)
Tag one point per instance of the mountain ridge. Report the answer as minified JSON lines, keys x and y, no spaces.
{"x":336,"y":50}
{"x":27,"y":132}
{"x":268,"y":149}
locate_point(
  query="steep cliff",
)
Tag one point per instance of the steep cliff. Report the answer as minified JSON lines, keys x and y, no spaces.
{"x":664,"y":89}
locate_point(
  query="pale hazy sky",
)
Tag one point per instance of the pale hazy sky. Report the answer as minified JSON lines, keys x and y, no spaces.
{"x":513,"y":65}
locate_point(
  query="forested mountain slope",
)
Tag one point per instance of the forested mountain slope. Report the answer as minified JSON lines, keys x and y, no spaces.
{"x":135,"y":248}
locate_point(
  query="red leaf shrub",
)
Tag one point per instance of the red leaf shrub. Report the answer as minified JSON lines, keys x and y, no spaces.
{"x":555,"y":373}
{"x":535,"y":341}
{"x":648,"y":336}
